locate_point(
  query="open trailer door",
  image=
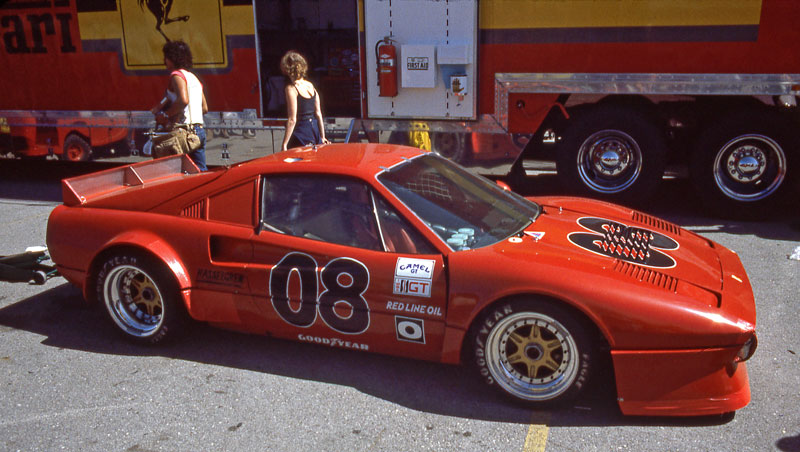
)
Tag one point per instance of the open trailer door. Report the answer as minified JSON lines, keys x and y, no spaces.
{"x":326,"y":33}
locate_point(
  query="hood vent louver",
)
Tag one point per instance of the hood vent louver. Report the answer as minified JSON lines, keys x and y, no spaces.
{"x":656,"y":223}
{"x":644,"y":274}
{"x":196,"y":210}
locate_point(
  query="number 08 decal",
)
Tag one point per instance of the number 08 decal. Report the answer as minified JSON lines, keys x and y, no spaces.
{"x":344,"y":281}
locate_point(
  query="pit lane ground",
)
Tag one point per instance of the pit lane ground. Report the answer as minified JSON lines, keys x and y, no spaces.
{"x":69,"y":383}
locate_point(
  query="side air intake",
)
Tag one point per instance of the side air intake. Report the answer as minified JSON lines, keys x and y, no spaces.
{"x":196,"y":210}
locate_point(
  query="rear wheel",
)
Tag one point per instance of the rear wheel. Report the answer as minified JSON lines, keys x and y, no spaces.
{"x":612,"y":153}
{"x":140,"y":297}
{"x":533,"y":351}
{"x":739,"y":166}
{"x":76,"y":149}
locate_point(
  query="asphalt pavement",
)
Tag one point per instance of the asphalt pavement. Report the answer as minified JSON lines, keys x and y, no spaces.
{"x":69,"y":383}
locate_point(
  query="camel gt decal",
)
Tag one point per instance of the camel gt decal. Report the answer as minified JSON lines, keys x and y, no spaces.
{"x":635,"y":245}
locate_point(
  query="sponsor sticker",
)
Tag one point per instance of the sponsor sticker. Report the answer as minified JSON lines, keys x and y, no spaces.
{"x":412,"y":308}
{"x":220,"y":277}
{"x":410,"y":329}
{"x":537,"y":235}
{"x":412,"y":286}
{"x":332,"y":342}
{"x":414,"y":268}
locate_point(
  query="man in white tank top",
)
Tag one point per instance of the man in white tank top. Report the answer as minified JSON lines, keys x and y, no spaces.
{"x":185,"y":102}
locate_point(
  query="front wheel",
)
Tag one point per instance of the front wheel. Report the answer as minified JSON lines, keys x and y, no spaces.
{"x":739,"y":166}
{"x":533,"y":351}
{"x":140,"y":297}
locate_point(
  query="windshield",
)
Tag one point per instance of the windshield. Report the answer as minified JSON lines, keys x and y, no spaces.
{"x":465,"y":210}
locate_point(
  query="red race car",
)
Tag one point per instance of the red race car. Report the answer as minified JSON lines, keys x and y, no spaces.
{"x":394,"y":250}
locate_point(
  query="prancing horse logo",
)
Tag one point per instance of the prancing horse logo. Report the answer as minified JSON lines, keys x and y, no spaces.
{"x":636,"y":245}
{"x":160,"y":9}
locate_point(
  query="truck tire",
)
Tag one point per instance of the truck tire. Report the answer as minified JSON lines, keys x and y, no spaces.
{"x":534,"y":351}
{"x":613,"y":153}
{"x":739,"y":164}
{"x":76,"y":149}
{"x":452,"y":146}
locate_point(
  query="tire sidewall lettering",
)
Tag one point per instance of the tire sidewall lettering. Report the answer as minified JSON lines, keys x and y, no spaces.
{"x":109,"y":265}
{"x":481,"y":337}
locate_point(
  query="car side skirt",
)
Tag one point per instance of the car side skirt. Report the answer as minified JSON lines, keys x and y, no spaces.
{"x":680,"y":382}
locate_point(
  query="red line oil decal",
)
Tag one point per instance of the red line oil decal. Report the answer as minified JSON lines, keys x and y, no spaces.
{"x":636,"y":245}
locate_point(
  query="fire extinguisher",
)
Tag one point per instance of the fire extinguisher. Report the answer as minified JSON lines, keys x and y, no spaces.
{"x":386,"y":56}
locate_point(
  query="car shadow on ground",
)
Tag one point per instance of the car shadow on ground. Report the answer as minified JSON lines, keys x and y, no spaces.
{"x":60,"y":315}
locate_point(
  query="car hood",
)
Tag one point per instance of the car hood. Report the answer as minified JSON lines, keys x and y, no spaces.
{"x":589,"y":233}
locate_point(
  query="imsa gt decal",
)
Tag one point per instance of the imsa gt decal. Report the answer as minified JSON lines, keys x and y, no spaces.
{"x":636,"y":245}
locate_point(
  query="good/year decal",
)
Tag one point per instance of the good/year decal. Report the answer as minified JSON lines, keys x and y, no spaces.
{"x":344,"y":281}
{"x":636,"y":245}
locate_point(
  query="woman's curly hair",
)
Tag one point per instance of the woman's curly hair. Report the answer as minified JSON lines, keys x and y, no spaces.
{"x":179,"y":53}
{"x":294,"y":66}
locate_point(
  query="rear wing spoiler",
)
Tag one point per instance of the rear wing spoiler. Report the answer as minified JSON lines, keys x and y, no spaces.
{"x":82,"y":189}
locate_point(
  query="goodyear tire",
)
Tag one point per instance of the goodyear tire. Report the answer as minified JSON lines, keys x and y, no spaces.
{"x":76,"y":149}
{"x":741,"y":165}
{"x":533,"y":351}
{"x":613,"y":153}
{"x":141,"y":297}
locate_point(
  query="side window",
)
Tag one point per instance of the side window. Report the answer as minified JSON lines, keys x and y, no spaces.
{"x":330,"y":209}
{"x":399,"y":236}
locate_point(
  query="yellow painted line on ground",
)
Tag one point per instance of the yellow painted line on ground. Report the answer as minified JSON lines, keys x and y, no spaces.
{"x":536,"y":440}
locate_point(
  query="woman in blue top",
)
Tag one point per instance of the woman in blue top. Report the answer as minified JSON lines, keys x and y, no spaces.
{"x":304,"y":125}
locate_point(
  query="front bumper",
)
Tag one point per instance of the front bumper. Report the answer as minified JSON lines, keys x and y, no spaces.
{"x":681,"y":382}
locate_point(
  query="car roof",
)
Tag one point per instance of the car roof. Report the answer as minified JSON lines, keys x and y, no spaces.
{"x":362,"y":159}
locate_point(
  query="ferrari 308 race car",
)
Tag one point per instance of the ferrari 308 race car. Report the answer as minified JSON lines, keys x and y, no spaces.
{"x":395,"y":250}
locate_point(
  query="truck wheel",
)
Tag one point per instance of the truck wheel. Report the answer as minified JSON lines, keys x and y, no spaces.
{"x":76,"y":149}
{"x":612,"y":153}
{"x":533,"y":351}
{"x":140,"y":297}
{"x":451,"y":146}
{"x":739,"y":164}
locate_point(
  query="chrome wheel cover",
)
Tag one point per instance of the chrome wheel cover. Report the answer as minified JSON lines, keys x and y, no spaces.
{"x":750,"y":167}
{"x":133,"y":300}
{"x":532,"y":356}
{"x":609,"y":161}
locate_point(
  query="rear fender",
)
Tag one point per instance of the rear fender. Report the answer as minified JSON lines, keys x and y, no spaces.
{"x":148,"y":243}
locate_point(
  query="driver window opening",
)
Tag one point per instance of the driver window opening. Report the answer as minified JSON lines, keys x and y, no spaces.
{"x":329,"y":209}
{"x":337,"y":210}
